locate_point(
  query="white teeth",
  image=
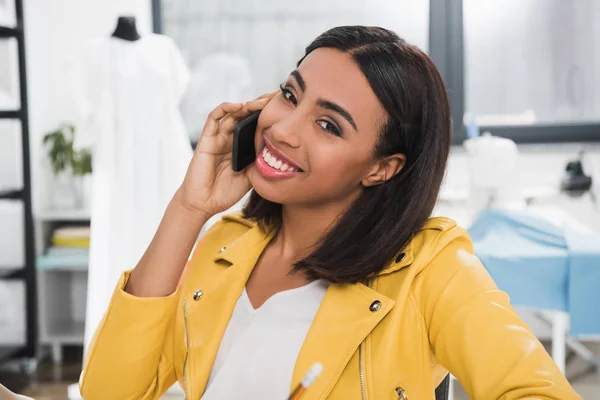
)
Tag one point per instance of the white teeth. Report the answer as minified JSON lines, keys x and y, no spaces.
{"x":272,"y":161}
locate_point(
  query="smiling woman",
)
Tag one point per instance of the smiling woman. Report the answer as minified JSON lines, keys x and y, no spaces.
{"x":363,"y":108}
{"x":333,"y":261}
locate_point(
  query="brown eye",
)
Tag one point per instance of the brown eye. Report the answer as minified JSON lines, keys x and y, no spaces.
{"x":288,"y":95}
{"x":329,"y":127}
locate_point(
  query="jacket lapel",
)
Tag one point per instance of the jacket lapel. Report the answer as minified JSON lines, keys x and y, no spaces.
{"x":342,"y":322}
{"x":221,"y":282}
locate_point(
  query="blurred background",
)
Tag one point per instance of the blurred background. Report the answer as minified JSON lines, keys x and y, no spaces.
{"x":77,"y":78}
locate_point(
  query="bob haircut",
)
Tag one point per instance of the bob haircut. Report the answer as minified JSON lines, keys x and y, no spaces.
{"x":384,"y":218}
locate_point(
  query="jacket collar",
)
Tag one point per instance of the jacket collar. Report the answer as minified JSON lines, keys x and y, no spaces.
{"x":238,"y":250}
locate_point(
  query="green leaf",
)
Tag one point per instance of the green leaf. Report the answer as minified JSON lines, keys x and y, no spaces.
{"x":59,"y":144}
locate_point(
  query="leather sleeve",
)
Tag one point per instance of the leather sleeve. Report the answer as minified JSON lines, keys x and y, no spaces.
{"x":475,"y":333}
{"x":131,"y":354}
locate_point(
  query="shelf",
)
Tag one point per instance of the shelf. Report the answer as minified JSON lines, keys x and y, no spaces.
{"x":6,"y":32}
{"x":63,"y":215}
{"x":62,"y":263}
{"x":68,"y":332}
{"x":11,"y":194}
{"x":14,"y":114}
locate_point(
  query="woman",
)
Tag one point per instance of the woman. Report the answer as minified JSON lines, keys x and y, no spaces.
{"x":334,"y":259}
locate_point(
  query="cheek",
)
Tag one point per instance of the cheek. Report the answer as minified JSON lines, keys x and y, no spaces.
{"x":268,"y":116}
{"x":338,"y":163}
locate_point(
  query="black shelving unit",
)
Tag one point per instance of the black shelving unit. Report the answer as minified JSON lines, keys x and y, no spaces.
{"x":25,"y":272}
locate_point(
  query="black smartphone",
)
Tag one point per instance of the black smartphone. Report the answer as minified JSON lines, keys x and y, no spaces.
{"x":243,"y":142}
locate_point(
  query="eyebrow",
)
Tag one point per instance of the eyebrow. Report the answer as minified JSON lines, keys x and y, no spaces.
{"x":329,"y":105}
{"x":338,"y":109}
{"x":299,"y":79}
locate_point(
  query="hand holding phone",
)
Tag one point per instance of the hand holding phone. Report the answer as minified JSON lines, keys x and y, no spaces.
{"x":211,"y":185}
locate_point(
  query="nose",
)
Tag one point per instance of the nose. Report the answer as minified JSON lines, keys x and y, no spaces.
{"x":287,"y":130}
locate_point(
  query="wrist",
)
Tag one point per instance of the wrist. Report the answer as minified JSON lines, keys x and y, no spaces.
{"x":189,"y":211}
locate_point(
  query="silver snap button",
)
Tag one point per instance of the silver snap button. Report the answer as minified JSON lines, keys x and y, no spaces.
{"x":401,"y":393}
{"x":198,"y":295}
{"x":375,"y":306}
{"x":223,"y":249}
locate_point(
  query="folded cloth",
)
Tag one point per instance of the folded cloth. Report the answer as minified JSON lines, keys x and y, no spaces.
{"x":72,"y":231}
{"x":63,"y":262}
{"x":541,"y":265}
{"x":584,"y":282}
{"x":71,"y":242}
{"x":67,"y":251}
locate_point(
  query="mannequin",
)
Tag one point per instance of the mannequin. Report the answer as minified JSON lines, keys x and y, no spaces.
{"x":126,"y":29}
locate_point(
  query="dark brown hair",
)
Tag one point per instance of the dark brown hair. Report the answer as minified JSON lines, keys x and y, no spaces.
{"x":384,"y":219}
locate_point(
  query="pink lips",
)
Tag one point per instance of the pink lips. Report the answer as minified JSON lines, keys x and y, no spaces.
{"x":272,"y":173}
{"x":280,"y":155}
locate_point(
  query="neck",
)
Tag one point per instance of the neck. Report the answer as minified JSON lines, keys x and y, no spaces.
{"x":126,"y":29}
{"x":303,"y":227}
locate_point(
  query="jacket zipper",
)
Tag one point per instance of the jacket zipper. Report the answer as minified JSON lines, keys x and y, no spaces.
{"x":187,"y":348}
{"x":363,"y":391}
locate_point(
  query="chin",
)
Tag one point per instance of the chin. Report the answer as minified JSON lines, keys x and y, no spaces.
{"x":268,"y":190}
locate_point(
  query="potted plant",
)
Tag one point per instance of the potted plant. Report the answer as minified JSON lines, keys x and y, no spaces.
{"x":70,"y":166}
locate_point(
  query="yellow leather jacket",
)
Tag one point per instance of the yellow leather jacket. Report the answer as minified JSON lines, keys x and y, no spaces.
{"x":432,"y":309}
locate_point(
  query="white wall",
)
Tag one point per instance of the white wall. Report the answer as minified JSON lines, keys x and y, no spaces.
{"x":54,"y":31}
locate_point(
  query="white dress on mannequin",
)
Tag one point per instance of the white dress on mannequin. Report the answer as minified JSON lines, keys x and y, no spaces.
{"x":127,"y":95}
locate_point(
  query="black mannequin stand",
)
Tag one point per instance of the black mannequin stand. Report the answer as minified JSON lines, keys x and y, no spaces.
{"x":126,"y":29}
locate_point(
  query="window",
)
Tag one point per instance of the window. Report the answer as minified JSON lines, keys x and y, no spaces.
{"x":532,"y":67}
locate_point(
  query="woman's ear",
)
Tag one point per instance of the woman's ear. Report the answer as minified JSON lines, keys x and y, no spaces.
{"x":384,"y":170}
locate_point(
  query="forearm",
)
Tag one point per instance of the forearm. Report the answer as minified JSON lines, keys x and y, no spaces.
{"x":131,"y":355}
{"x":159,"y":270}
{"x":476,"y":334}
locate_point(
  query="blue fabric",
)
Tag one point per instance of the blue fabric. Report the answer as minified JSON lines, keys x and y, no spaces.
{"x":541,"y":265}
{"x":584,"y":283}
{"x":63,"y":261}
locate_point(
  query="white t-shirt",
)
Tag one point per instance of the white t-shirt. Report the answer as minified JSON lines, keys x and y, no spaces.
{"x":258,"y":351}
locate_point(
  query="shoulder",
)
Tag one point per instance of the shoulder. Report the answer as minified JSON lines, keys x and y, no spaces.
{"x":163,"y":41}
{"x":440,"y":237}
{"x":446,"y":261}
{"x":228,"y":228}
